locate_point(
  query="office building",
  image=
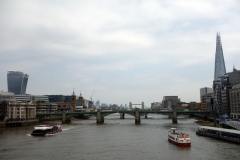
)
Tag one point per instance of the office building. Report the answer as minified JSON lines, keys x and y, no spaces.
{"x":17,"y":82}
{"x":7,"y":96}
{"x":220,"y":69}
{"x":219,"y":72}
{"x":221,"y":91}
{"x":194,"y":106}
{"x":13,"y":111}
{"x":29,"y":97}
{"x":42,"y":107}
{"x":97,"y":103}
{"x":63,"y":102}
{"x":234,"y":97}
{"x":23,"y":98}
{"x":206,"y":102}
{"x":104,"y":105}
{"x":40,"y":98}
{"x":169,"y":101}
{"x":156,"y":105}
{"x":205,"y":90}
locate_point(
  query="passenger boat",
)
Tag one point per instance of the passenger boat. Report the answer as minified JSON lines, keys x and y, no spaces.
{"x":229,"y":135}
{"x":45,"y":130}
{"x":179,"y":138}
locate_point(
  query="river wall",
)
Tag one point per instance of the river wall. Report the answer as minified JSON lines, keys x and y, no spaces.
{"x":18,"y":123}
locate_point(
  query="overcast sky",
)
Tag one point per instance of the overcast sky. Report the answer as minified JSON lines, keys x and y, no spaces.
{"x":138,"y":50}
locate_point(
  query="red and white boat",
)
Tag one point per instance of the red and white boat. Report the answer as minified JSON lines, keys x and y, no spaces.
{"x":45,"y":130}
{"x":179,"y":138}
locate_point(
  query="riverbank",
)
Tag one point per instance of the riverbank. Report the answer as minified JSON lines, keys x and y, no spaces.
{"x":204,"y":122}
{"x":18,"y":123}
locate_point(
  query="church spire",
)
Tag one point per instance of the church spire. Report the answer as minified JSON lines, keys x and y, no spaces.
{"x":80,"y":94}
{"x":73,"y":92}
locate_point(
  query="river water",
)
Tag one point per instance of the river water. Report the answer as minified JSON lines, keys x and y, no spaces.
{"x":116,"y":139}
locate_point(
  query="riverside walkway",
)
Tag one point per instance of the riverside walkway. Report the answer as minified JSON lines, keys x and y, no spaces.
{"x":232,"y":123}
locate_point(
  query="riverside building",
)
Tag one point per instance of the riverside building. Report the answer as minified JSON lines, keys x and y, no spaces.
{"x":7,"y":96}
{"x":206,"y":102}
{"x":64,"y":102}
{"x":15,"y":114}
{"x":23,"y":98}
{"x":169,"y":101}
{"x":221,"y":91}
{"x":234,"y":96}
{"x":205,"y":90}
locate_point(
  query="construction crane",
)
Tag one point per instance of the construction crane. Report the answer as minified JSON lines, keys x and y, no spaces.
{"x":92,"y":95}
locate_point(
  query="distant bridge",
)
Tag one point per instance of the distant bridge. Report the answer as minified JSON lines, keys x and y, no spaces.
{"x":137,"y":113}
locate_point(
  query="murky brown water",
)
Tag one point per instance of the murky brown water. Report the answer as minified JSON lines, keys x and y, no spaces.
{"x":115,"y":139}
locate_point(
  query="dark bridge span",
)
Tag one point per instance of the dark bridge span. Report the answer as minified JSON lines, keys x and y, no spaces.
{"x":137,"y":113}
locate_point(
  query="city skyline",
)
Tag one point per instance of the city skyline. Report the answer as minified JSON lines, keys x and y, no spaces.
{"x":125,"y":51}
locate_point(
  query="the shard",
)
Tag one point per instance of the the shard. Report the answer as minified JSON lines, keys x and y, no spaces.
{"x":220,"y":69}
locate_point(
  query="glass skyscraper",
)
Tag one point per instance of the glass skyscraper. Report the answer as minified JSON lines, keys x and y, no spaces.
{"x":17,"y":82}
{"x":220,"y":69}
{"x":219,"y":78}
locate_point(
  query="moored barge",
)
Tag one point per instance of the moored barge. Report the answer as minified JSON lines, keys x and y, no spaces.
{"x":229,"y":135}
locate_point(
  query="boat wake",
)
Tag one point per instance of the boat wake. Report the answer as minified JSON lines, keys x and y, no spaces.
{"x":65,"y":129}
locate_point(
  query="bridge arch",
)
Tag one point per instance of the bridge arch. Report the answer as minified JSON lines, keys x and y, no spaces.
{"x":131,"y":104}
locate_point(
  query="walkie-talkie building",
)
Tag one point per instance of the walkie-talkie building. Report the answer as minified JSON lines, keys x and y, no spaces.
{"x":17,"y":82}
{"x":220,"y":69}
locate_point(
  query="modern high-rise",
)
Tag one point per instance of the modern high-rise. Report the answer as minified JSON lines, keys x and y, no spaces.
{"x":234,"y":97}
{"x":205,"y":90}
{"x":97,"y":103}
{"x":220,"y":69}
{"x":17,"y":82}
{"x":219,"y":77}
{"x":221,"y":91}
{"x":169,"y":101}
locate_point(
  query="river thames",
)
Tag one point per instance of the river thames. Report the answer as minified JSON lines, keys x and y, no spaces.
{"x":117,"y":139}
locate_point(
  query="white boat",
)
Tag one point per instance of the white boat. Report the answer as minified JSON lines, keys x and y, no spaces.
{"x":179,"y":138}
{"x":44,"y":130}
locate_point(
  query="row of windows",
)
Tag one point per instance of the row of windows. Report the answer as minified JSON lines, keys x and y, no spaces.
{"x":19,"y":108}
{"x":18,"y":112}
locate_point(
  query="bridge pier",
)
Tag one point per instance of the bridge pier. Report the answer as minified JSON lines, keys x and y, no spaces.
{"x":65,"y":120}
{"x":100,"y":119}
{"x":205,"y":118}
{"x":137,"y":116}
{"x":146,"y":116}
{"x":122,"y":115}
{"x":174,"y":116}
